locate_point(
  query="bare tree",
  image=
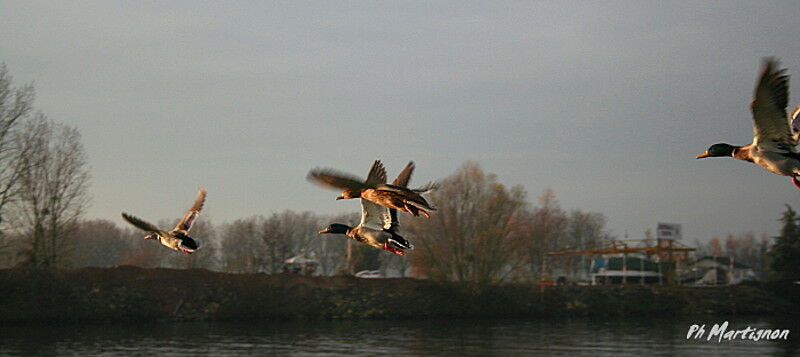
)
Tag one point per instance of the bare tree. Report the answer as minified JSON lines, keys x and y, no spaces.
{"x":259,"y":244}
{"x":141,"y":252}
{"x":15,"y":105}
{"x":53,"y":188}
{"x":475,"y":233}
{"x":102,"y":244}
{"x":585,"y":230}
{"x":744,"y":248}
{"x":331,"y":250}
{"x":545,"y":228}
{"x":398,"y":264}
{"x":242,"y":250}
{"x":287,"y":234}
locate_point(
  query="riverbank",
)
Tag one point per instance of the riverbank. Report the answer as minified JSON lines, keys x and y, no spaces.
{"x":132,"y":293}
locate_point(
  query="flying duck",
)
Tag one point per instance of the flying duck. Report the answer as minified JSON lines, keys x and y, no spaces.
{"x":379,"y":225}
{"x":775,"y":134}
{"x":387,"y":195}
{"x":178,"y":238}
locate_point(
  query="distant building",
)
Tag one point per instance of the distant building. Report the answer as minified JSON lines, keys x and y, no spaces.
{"x":632,"y":269}
{"x":300,"y":265}
{"x":717,"y":271}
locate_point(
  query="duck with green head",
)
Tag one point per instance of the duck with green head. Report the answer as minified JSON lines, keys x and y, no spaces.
{"x":775,"y":134}
{"x":379,"y":224}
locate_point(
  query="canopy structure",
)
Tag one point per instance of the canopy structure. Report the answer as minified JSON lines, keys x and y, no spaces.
{"x":664,"y":250}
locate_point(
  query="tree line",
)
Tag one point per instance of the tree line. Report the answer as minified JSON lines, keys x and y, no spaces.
{"x":483,"y":231}
{"x":44,"y":179}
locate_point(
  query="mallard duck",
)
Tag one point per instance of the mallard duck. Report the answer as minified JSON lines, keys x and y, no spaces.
{"x":178,"y":238}
{"x":775,"y":134}
{"x":390,"y":196}
{"x":378,"y":227}
{"x":402,"y":180}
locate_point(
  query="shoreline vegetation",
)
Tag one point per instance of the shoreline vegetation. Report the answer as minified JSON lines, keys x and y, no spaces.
{"x":129,"y":293}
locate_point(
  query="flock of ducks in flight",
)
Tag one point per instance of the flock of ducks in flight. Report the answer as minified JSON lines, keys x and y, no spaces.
{"x":379,"y":205}
{"x":775,"y":137}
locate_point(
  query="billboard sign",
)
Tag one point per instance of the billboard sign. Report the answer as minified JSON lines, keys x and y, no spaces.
{"x":668,"y":231}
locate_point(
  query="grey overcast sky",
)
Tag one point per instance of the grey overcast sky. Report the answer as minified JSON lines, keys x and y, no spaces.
{"x":607,"y":103}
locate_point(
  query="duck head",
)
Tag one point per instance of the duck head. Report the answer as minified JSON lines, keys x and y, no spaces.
{"x":151,"y":236}
{"x":336,"y":228}
{"x":718,"y":150}
{"x":348,"y":193}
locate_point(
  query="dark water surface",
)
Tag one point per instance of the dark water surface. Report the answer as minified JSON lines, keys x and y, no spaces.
{"x":506,"y":337}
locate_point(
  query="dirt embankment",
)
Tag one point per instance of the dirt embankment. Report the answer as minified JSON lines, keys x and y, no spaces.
{"x":132,"y":293}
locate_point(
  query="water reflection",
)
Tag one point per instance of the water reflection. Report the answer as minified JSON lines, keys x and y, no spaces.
{"x":618,"y":337}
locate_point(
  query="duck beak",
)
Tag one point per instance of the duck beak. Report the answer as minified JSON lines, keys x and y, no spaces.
{"x":705,"y":154}
{"x":324,"y":231}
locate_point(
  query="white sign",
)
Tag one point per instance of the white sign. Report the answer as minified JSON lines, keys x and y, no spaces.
{"x":668,"y":231}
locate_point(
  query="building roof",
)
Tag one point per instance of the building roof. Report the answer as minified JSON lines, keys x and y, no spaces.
{"x":300,"y":260}
{"x":726,"y":261}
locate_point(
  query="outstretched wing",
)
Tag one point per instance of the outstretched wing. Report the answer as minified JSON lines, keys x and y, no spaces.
{"x":404,"y":177}
{"x":402,"y":180}
{"x":795,"y":124}
{"x":139,"y":223}
{"x":375,"y":216}
{"x":336,"y":179}
{"x":377,"y":174}
{"x":771,"y":126}
{"x":185,"y":224}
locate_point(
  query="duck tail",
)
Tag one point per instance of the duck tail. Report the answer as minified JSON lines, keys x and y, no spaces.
{"x":421,"y":204}
{"x":430,"y":186}
{"x":190,"y":244}
{"x":400,"y":242}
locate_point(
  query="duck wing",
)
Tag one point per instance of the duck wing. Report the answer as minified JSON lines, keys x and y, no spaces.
{"x":402,"y":180}
{"x":771,"y":127}
{"x":139,"y":223}
{"x":377,"y":174}
{"x":375,"y":216}
{"x":795,"y":119}
{"x":404,"y":177}
{"x":186,"y":222}
{"x":336,"y":179}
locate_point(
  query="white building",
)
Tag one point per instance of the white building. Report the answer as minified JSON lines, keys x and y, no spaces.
{"x":633,"y":269}
{"x":717,"y":271}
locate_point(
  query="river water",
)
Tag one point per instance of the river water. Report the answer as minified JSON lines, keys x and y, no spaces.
{"x":479,"y":337}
